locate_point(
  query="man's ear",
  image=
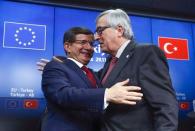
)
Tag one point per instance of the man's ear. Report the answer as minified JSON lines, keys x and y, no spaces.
{"x":67,"y":47}
{"x":120,"y":30}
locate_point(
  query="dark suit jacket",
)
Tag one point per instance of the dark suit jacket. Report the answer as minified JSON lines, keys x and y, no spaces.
{"x":145,"y":66}
{"x":73,"y":105}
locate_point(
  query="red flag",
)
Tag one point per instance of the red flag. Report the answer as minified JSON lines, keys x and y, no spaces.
{"x":184,"y":105}
{"x":174,"y":48}
{"x":31,"y":104}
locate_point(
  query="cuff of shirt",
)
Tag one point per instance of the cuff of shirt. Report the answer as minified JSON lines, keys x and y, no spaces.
{"x":105,"y":101}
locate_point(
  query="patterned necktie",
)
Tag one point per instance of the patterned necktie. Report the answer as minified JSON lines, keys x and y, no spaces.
{"x":111,"y":66}
{"x":90,"y":76}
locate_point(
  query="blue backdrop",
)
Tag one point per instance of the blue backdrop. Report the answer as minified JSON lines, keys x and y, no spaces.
{"x":29,"y":32}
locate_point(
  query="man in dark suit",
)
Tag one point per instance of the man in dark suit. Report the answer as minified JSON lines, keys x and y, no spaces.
{"x":145,"y":66}
{"x":75,"y":99}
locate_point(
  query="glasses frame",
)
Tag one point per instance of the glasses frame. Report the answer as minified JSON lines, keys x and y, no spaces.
{"x":100,"y":29}
{"x":84,"y":42}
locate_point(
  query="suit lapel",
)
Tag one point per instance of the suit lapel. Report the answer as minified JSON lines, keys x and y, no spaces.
{"x":77,"y":70}
{"x":122,"y":61}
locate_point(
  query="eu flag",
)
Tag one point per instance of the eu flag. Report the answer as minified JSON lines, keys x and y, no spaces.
{"x":13,"y":103}
{"x":24,"y":36}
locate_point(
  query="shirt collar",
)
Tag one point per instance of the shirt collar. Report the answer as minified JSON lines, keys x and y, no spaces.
{"x":121,"y":49}
{"x":76,"y":62}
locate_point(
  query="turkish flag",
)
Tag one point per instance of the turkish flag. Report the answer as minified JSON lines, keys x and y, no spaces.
{"x":31,"y":104}
{"x":184,"y":105}
{"x":174,"y":48}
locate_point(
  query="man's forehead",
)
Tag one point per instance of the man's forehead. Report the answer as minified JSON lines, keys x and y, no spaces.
{"x":84,"y":36}
{"x":101,"y":21}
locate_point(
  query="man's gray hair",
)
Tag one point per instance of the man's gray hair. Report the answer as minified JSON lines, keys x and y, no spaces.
{"x":116,"y":18}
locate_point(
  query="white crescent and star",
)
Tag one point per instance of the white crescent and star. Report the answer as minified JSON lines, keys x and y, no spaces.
{"x":28,"y":104}
{"x":166,"y":48}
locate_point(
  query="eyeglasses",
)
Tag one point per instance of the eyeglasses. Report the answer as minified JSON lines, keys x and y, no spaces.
{"x":100,"y":29}
{"x":84,"y":42}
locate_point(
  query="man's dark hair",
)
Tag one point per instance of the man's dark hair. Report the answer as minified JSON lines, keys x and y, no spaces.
{"x":70,"y":35}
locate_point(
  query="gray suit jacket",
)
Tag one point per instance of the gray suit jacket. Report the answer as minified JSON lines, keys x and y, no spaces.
{"x":145,"y":66}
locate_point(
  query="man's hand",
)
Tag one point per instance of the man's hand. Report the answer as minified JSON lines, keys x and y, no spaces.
{"x":121,"y":93}
{"x":41,"y":64}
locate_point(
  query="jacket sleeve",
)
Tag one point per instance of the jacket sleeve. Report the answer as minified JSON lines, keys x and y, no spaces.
{"x":61,"y":89}
{"x":158,"y":91}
